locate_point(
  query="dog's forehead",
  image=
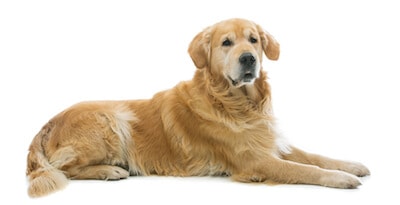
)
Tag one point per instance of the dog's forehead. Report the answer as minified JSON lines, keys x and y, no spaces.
{"x":237,"y":28}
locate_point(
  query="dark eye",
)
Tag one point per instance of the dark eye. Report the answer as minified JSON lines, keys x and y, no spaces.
{"x":227,"y":42}
{"x":253,"y":40}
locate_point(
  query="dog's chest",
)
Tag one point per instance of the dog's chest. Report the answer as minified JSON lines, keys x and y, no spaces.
{"x":219,"y":150}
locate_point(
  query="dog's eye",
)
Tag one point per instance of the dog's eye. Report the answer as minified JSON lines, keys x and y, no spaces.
{"x":227,"y":42}
{"x":253,"y":40}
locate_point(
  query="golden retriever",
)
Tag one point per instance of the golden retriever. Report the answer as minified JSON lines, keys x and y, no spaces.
{"x":218,"y":123}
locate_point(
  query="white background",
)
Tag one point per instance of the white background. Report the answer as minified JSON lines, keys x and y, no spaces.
{"x":335,"y":87}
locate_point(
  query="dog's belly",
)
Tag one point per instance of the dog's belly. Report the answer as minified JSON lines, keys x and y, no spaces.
{"x":207,"y":168}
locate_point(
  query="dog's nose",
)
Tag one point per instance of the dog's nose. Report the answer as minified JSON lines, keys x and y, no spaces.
{"x":247,"y":59}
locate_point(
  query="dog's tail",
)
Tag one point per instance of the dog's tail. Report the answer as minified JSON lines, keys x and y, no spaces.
{"x":43,"y":177}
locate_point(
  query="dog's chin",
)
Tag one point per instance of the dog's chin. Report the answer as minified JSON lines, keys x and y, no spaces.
{"x":241,"y":81}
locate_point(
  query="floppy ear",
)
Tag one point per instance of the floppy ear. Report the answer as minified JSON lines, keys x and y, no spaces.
{"x":199,"y":48}
{"x":269,"y":44}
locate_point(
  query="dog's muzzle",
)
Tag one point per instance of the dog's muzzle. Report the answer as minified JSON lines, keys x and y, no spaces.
{"x":247,"y":70}
{"x":248,"y":67}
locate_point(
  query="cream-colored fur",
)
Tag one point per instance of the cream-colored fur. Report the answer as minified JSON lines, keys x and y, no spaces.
{"x":218,"y":123}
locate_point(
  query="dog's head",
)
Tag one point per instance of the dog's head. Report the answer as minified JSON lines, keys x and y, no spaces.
{"x":233,"y":49}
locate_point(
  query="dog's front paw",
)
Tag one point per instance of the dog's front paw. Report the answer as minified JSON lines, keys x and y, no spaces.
{"x":355,"y":168}
{"x":339,"y":179}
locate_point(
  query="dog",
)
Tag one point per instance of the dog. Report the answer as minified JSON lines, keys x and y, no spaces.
{"x":218,"y":123}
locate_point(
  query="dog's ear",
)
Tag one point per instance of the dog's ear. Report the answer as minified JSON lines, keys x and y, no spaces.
{"x":199,"y":48}
{"x":269,"y":44}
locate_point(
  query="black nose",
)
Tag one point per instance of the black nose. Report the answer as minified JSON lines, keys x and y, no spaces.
{"x":247,"y":59}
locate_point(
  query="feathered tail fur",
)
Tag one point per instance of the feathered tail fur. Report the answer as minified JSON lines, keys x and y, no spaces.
{"x":43,"y":177}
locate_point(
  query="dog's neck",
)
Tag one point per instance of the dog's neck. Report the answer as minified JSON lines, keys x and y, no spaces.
{"x":256,"y":96}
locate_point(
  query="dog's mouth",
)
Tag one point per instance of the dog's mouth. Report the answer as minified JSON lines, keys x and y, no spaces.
{"x":248,"y":77}
{"x":244,"y":78}
{"x":234,"y":82}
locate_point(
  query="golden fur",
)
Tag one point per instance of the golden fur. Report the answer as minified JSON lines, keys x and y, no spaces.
{"x":219,"y":123}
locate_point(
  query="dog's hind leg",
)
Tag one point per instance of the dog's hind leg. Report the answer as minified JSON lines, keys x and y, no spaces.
{"x":68,"y":160}
{"x":63,"y":157}
{"x":102,"y":172}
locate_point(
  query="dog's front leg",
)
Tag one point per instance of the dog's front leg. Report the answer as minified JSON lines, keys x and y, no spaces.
{"x":284,"y":171}
{"x":297,"y":155}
